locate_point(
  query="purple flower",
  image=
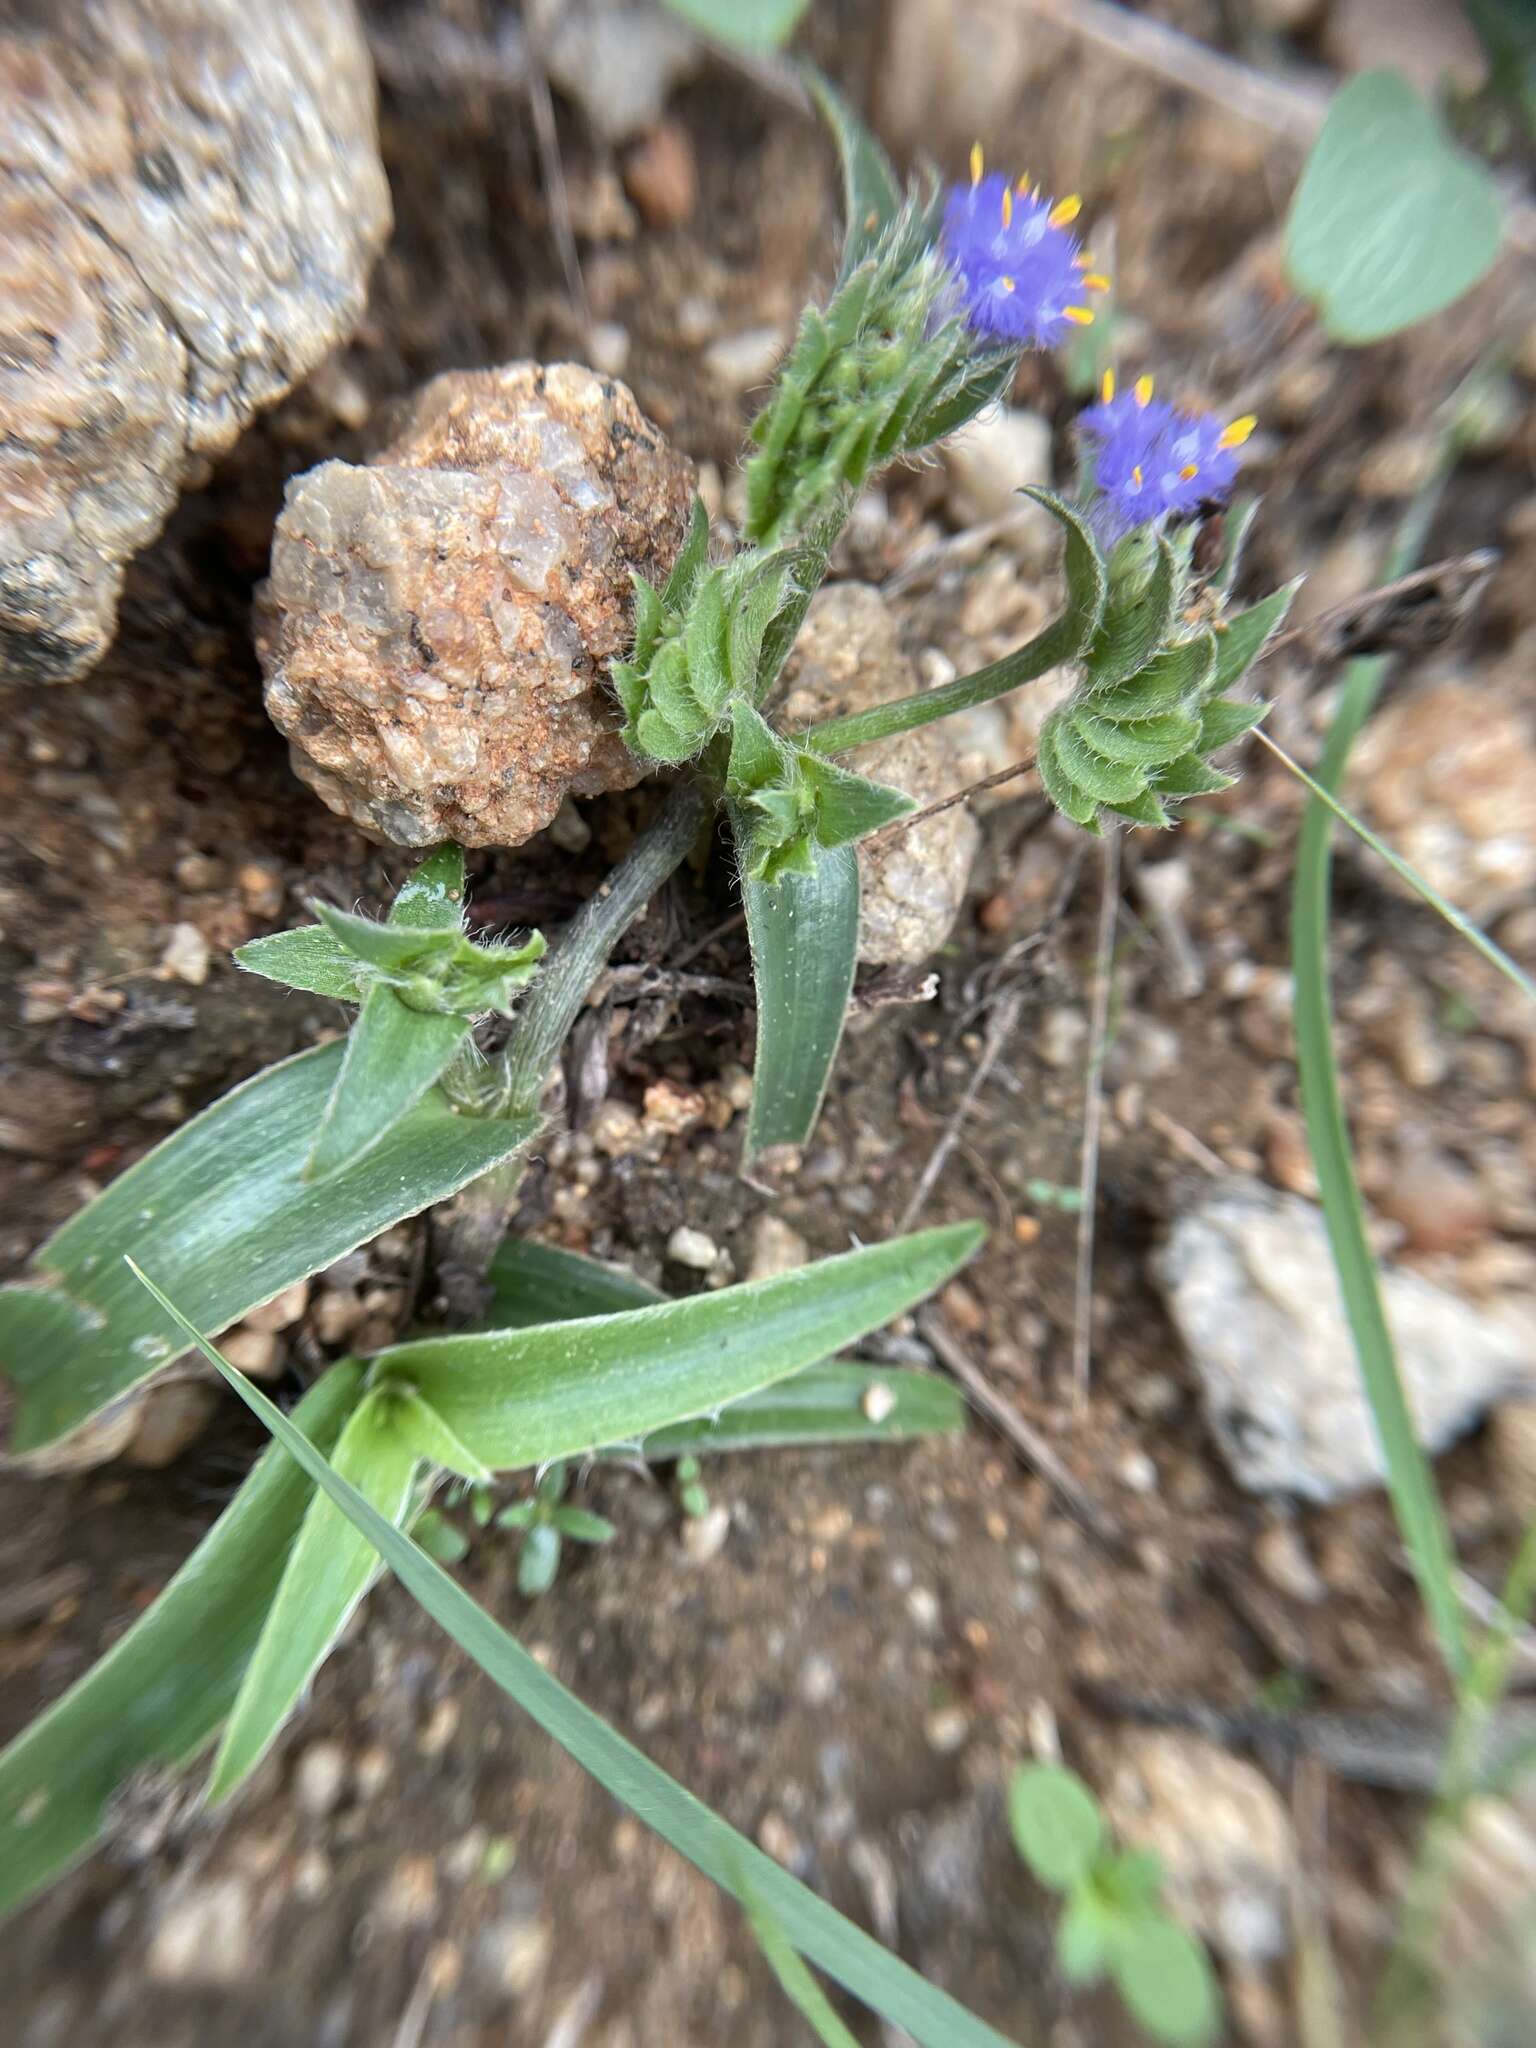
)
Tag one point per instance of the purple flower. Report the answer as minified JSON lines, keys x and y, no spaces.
{"x":1021,"y":274}
{"x":1150,"y":458}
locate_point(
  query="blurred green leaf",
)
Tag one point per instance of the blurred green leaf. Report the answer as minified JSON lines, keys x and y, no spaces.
{"x":871,"y":194}
{"x":1056,"y":1823}
{"x":440,"y":1538}
{"x":165,"y":1685}
{"x":744,"y":24}
{"x":804,"y":933}
{"x":538,"y":1560}
{"x":223,"y":1205}
{"x":795,"y":1980}
{"x":583,"y":1526}
{"x":329,"y":1569}
{"x":1391,"y":221}
{"x":1166,"y":1979}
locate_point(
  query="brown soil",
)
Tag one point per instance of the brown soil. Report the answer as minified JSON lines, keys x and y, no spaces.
{"x":883,"y":1633}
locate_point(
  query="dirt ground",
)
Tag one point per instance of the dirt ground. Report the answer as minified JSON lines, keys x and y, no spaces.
{"x":880,"y":1634}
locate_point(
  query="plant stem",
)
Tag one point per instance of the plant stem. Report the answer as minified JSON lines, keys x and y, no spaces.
{"x":1058,"y":643}
{"x":555,"y":1000}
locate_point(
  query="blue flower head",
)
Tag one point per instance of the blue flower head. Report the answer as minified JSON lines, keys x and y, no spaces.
{"x":1150,"y":458}
{"x":1022,"y":274}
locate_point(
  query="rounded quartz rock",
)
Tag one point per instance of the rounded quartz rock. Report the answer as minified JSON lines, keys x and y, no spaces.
{"x":437,"y":625}
{"x":191,"y":198}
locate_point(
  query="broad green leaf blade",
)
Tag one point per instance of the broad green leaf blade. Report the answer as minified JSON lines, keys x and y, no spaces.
{"x":329,"y":1569}
{"x":1056,"y":1823}
{"x":795,"y":1980}
{"x":537,"y":1283}
{"x":165,"y":1685}
{"x":393,"y":1056}
{"x":1245,"y":635}
{"x":804,"y":934}
{"x":1063,"y":640}
{"x":223,"y":1205}
{"x":743,"y":24}
{"x":1410,"y":1479}
{"x":583,"y":1526}
{"x":433,"y":899}
{"x":309,"y":958}
{"x":522,"y":1397}
{"x":850,"y":807}
{"x":394,"y":948}
{"x":1391,"y":221}
{"x":870,"y":191}
{"x":1165,"y":1977}
{"x":816,"y":1929}
{"x":825,"y":1404}
{"x":431,"y":1438}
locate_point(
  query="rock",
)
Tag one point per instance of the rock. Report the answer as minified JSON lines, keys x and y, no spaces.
{"x":848,"y":658}
{"x":1512,"y":1446}
{"x":618,"y":62}
{"x":776,"y":1248}
{"x":512,"y":1954}
{"x":1249,"y":1280}
{"x":989,"y":459}
{"x":282,"y":1311}
{"x":204,"y":1935}
{"x":947,"y":1729}
{"x":320,"y":1779}
{"x":1283,"y":1558}
{"x":1448,"y":777}
{"x":436,"y":626}
{"x":186,"y":956}
{"x":742,"y":362}
{"x":704,"y":1535}
{"x":1221,"y":1833}
{"x":692,"y":1248}
{"x":661,"y":175}
{"x":175,"y":1415}
{"x":950,"y":74}
{"x":190,"y":204}
{"x":259,"y":1353}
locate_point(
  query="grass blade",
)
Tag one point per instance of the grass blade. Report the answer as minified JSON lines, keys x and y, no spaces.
{"x":795,"y":1980}
{"x":1410,"y":1480}
{"x":816,"y":1929}
{"x":393,"y":1056}
{"x":521,"y":1397}
{"x":804,"y":933}
{"x":163,"y":1688}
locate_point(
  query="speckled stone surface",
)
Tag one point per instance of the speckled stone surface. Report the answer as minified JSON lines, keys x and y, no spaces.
{"x":437,"y":624}
{"x":190,"y":200}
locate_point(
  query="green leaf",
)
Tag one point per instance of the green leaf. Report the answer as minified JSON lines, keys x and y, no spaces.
{"x":743,"y":24}
{"x":1222,"y":722}
{"x":1083,"y":1938}
{"x":1107,"y":782}
{"x":849,"y":807}
{"x":393,"y":1056}
{"x":872,"y":197}
{"x":732,"y":1862}
{"x":795,"y":1980}
{"x":1189,"y":776}
{"x":1135,"y":627}
{"x":1391,"y":221}
{"x":433,"y":898}
{"x":989,"y":382}
{"x":692,"y":559}
{"x":329,"y":1569}
{"x":393,"y":948}
{"x":440,"y":1538}
{"x":1166,"y":1979}
{"x":1063,"y":792}
{"x":1148,"y":742}
{"x":1063,"y":640}
{"x":1057,"y":1826}
{"x":804,"y":934}
{"x":824,"y":1404}
{"x":309,"y":958}
{"x":223,"y":1205}
{"x":431,"y":1438}
{"x":1246,"y":634}
{"x":1144,"y":810}
{"x":165,"y":1685}
{"x":1168,"y":682}
{"x":536,"y":1283}
{"x":522,"y":1397}
{"x":583,"y":1526}
{"x":538,"y":1561}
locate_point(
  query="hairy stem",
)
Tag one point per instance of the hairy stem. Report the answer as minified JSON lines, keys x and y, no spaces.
{"x":565,"y":980}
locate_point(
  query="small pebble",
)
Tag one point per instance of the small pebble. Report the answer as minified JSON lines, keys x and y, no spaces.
{"x":947,"y":1729}
{"x":256,"y":1353}
{"x":692,"y":1248}
{"x":704,"y":1535}
{"x":1282,"y":1557}
{"x":320,"y":1778}
{"x":282,"y":1311}
{"x":1138,"y":1472}
{"x":186,"y":956}
{"x":818,"y":1681}
{"x":877,"y":1402}
{"x":776,"y":1248}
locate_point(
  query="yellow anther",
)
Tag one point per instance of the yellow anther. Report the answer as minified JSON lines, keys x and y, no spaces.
{"x":1022,"y":187}
{"x":1236,"y":434}
{"x":1107,"y":386}
{"x":978,"y":163}
{"x":1065,"y":210}
{"x":1136,"y":477}
{"x":1096,"y":281}
{"x":1081,"y":315}
{"x":1143,"y":390}
{"x":1190,"y":469}
{"x":1007,"y":207}
{"x":1008,"y":283}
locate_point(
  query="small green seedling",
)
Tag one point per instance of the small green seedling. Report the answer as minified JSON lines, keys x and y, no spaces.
{"x":692,"y":1496}
{"x":545,"y":1523}
{"x":1114,"y":1923}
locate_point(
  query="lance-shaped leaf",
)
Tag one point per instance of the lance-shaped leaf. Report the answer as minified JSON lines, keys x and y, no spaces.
{"x":165,"y":1685}
{"x":222,"y":1204}
{"x":1135,"y":626}
{"x":310,"y":958}
{"x":804,"y":935}
{"x":432,"y":898}
{"x":1244,"y":637}
{"x":523,"y":1397}
{"x":393,"y":1056}
{"x":329,"y":1569}
{"x":871,"y":194}
{"x":1063,"y":640}
{"x":827,"y":1403}
{"x":856,"y":1960}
